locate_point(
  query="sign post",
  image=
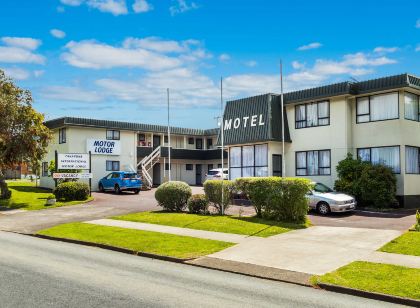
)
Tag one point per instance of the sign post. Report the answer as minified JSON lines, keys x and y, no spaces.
{"x":73,"y":161}
{"x":55,"y":167}
{"x":90,"y":171}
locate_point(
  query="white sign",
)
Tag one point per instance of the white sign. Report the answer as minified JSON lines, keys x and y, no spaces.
{"x":73,"y":161}
{"x":103,"y":147}
{"x":251,"y":121}
{"x":72,"y":175}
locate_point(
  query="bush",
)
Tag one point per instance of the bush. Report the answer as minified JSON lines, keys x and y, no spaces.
{"x":417,"y":225}
{"x":71,"y":191}
{"x":173,"y":196}
{"x":198,"y":204}
{"x":213,"y":190}
{"x":51,"y":197}
{"x":281,"y":199}
{"x":371,"y":185}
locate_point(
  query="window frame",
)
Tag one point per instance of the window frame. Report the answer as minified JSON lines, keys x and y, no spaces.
{"x":369,"y":107}
{"x":418,"y":154}
{"x":254,"y":166}
{"x":191,"y":140}
{"x":62,"y":135}
{"x":306,"y":163}
{"x":167,"y":166}
{"x":279,"y":172}
{"x":317,"y":114}
{"x":199,"y":143}
{"x":379,"y":147}
{"x":113,"y":131}
{"x":112,"y":162}
{"x":418,"y":106}
{"x":189,"y":167}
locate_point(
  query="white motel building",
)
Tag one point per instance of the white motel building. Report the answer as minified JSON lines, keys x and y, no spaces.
{"x":377,"y":120}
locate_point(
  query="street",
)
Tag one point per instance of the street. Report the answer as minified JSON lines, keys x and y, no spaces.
{"x":43,"y":273}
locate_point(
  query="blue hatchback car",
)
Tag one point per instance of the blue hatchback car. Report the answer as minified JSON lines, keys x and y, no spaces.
{"x":120,"y":181}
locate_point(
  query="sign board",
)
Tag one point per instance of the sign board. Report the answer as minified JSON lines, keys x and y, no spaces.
{"x":103,"y":147}
{"x":72,"y":175}
{"x":73,"y":161}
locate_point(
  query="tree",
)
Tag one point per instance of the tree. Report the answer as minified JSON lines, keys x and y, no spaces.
{"x":23,"y":136}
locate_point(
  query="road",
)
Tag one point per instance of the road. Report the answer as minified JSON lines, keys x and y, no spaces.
{"x":41,"y":273}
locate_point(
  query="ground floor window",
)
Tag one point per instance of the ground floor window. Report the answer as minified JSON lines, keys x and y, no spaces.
{"x":248,"y":161}
{"x":412,"y":160}
{"x":277,"y":165}
{"x":189,"y":167}
{"x":388,"y":156}
{"x":45,"y":169}
{"x":167,"y":167}
{"x":313,"y":162}
{"x":112,"y":165}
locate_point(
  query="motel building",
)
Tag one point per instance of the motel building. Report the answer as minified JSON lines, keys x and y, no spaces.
{"x":377,"y":120}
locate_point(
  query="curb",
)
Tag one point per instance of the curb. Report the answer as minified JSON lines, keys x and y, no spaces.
{"x":371,"y":295}
{"x":112,"y":248}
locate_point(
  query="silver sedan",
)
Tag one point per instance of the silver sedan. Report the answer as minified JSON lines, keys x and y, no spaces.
{"x":325,"y":200}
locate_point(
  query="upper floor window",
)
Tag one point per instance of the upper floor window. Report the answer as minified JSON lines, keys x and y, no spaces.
{"x":112,"y":134}
{"x":377,"y":107}
{"x":411,"y":106}
{"x":190,"y":140}
{"x":313,"y":162}
{"x":388,"y":156}
{"x":312,"y":114}
{"x":412,"y":160}
{"x":62,"y":135}
{"x":199,"y":144}
{"x":209,"y":143}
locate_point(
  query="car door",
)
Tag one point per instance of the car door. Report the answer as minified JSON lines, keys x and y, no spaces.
{"x":114,"y":179}
{"x":106,"y":181}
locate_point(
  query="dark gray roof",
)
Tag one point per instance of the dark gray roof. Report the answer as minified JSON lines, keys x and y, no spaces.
{"x":71,"y":121}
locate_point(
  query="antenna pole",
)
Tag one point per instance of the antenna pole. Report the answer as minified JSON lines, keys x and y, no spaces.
{"x":283,"y":160}
{"x":169,"y":141}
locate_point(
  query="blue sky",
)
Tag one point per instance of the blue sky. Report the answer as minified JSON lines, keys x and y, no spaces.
{"x":114,"y":59}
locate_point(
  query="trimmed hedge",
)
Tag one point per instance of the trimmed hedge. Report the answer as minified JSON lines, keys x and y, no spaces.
{"x":198,"y":204}
{"x":281,"y":199}
{"x":72,"y":191}
{"x":213,"y":190}
{"x":173,"y":196}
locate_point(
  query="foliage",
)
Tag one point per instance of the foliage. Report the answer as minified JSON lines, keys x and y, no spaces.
{"x":50,"y":197}
{"x":173,"y":196}
{"x":213,"y":190}
{"x":51,"y":169}
{"x":198,"y":204}
{"x":417,"y":225}
{"x":23,"y":136}
{"x":257,"y":190}
{"x":70,"y":191}
{"x":371,"y":185}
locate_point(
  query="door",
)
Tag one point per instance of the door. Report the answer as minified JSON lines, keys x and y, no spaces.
{"x":156,"y":141}
{"x":277,"y":165}
{"x":198,"y":174}
{"x":156,"y":174}
{"x":199,"y":144}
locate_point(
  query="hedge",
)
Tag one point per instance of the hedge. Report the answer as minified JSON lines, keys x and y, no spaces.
{"x":72,"y":191}
{"x":213,"y":190}
{"x":173,"y":196}
{"x":198,"y":204}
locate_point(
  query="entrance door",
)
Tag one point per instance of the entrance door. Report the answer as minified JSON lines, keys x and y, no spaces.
{"x":277,"y":165}
{"x":156,"y":141}
{"x":156,"y":174}
{"x":198,"y":173}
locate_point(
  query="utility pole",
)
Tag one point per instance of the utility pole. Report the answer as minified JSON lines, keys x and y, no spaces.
{"x":283,"y":160}
{"x":169,"y":141}
{"x":222,"y":141}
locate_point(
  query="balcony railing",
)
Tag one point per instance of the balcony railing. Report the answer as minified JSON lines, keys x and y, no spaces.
{"x":183,"y":153}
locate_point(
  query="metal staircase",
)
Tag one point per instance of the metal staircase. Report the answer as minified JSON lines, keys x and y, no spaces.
{"x":146,"y":164}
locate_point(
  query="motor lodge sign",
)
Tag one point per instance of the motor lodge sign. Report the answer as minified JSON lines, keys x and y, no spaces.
{"x":73,"y":161}
{"x":103,"y":147}
{"x":248,"y":121}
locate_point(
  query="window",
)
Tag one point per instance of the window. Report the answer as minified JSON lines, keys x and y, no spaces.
{"x":277,"y":165}
{"x":165,"y":139}
{"x":112,"y":165}
{"x":412,"y":160}
{"x":209,"y":167}
{"x":377,"y":108}
{"x":319,"y":187}
{"x":312,"y":114}
{"x":388,"y":156}
{"x":189,"y":167}
{"x":167,"y":166}
{"x":248,"y":161}
{"x":45,"y":169}
{"x":209,"y":143}
{"x":199,"y":144}
{"x":313,"y":162}
{"x":62,"y":135}
{"x":112,"y":134}
{"x":190,"y":140}
{"x":219,"y":165}
{"x":411,"y":106}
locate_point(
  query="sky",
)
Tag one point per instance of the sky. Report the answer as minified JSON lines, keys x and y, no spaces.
{"x":114,"y":59}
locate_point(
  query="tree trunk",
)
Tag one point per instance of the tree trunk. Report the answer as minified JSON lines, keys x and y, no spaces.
{"x":5,"y":193}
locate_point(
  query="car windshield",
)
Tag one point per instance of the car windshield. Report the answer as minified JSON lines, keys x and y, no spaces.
{"x":130,"y":175}
{"x":319,"y":187}
{"x":213,"y":172}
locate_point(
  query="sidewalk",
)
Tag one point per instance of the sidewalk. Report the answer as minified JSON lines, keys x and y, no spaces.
{"x":393,"y":258}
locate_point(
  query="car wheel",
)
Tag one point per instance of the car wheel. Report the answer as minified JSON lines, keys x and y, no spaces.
{"x":101,"y":188}
{"x":117,"y":189}
{"x":323,"y":208}
{"x":137,"y":191}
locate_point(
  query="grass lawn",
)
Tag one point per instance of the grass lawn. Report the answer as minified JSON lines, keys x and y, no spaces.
{"x":141,"y":241}
{"x":228,"y":224}
{"x":28,"y":197}
{"x":375,"y":277}
{"x":406,"y":244}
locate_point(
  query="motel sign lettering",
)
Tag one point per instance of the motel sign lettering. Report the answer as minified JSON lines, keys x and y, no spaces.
{"x":104,"y":147}
{"x":252,"y":121}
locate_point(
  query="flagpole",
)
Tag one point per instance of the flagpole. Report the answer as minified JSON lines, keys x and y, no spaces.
{"x":222,"y":141}
{"x":283,"y":160}
{"x":169,"y":141}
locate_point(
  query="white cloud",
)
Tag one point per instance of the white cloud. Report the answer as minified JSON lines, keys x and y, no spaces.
{"x":21,"y":42}
{"x":383,"y":50}
{"x":38,"y":73}
{"x":418,"y":23}
{"x":182,"y":6}
{"x":313,"y":45}
{"x":70,"y":93}
{"x":58,"y":33}
{"x":142,"y":6}
{"x":297,"y":65}
{"x":10,"y":54}
{"x":156,"y":44}
{"x":90,"y":54}
{"x":251,"y":63}
{"x":72,"y":2}
{"x":16,"y":73}
{"x":224,"y":57}
{"x":115,"y":7}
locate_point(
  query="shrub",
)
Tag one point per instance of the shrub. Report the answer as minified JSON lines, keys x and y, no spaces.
{"x":213,"y":190}
{"x":198,"y":204}
{"x":50,"y":197}
{"x":349,"y":171}
{"x":173,"y":196}
{"x":70,"y":191}
{"x":417,"y":225}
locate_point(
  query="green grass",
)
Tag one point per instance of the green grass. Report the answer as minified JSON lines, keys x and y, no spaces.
{"x":228,"y":224}
{"x":406,"y":244}
{"x":184,"y":247}
{"x":28,"y":197}
{"x":375,"y":277}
